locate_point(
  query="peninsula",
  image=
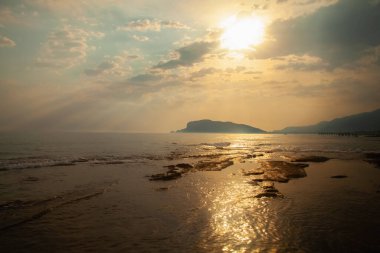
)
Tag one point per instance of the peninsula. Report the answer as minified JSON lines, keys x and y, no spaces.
{"x":210,"y":126}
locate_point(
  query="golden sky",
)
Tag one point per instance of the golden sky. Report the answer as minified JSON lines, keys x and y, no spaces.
{"x":152,"y":66}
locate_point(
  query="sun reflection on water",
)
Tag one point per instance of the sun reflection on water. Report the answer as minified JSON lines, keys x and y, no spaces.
{"x":241,"y":223}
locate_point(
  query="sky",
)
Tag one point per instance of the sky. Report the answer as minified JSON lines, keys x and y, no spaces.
{"x":152,"y":66}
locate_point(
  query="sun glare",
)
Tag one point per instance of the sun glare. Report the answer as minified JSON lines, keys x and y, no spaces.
{"x":242,"y":33}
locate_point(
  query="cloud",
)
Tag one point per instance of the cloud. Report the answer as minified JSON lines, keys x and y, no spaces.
{"x":202,"y":73}
{"x":344,"y":91}
{"x":6,"y":42}
{"x":151,"y":25}
{"x":140,"y":38}
{"x":338,"y":34}
{"x":7,"y":16}
{"x":101,"y":68}
{"x":117,"y":65}
{"x":302,"y":63}
{"x":144,"y":78}
{"x":66,"y":47}
{"x":188,"y":55}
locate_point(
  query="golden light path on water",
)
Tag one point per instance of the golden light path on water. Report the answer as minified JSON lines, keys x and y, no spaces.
{"x":241,"y":219}
{"x":238,"y":221}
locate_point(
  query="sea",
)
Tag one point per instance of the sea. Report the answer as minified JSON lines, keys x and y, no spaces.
{"x":106,"y":192}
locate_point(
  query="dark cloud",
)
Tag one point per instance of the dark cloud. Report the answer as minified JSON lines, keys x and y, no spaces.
{"x":188,"y":55}
{"x":338,"y":34}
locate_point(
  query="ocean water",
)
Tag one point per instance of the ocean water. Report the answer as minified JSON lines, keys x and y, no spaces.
{"x":76,"y":192}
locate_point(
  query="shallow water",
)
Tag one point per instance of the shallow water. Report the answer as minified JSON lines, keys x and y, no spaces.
{"x":77,"y":192}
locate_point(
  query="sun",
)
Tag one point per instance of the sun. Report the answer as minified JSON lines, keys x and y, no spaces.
{"x":242,"y":33}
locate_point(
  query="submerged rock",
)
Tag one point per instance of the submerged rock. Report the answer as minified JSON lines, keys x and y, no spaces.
{"x":253,"y":172}
{"x":268,"y":191}
{"x":31,"y":179}
{"x":165,"y":176}
{"x":269,"y":194}
{"x":339,"y":176}
{"x":281,"y":171}
{"x":214,"y":165}
{"x":313,"y":158}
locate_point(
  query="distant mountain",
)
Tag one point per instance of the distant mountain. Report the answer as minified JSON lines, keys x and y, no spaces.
{"x":209,"y":126}
{"x":362,"y":122}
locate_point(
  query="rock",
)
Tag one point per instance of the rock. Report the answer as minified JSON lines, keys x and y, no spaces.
{"x":269,"y":195}
{"x":339,"y":176}
{"x":170,"y":167}
{"x":373,"y":158}
{"x":314,"y":159}
{"x":184,"y":166}
{"x":253,"y":172}
{"x":214,"y":165}
{"x":165,"y":176}
{"x":267,"y":185}
{"x":275,"y":176}
{"x":281,"y":171}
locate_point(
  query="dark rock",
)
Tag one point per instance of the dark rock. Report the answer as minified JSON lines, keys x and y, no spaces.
{"x":184,"y":166}
{"x":269,"y":195}
{"x":272,"y":190}
{"x":373,"y":158}
{"x":165,"y":176}
{"x":372,"y":155}
{"x":314,"y":159}
{"x":254,"y":183}
{"x":339,"y":176}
